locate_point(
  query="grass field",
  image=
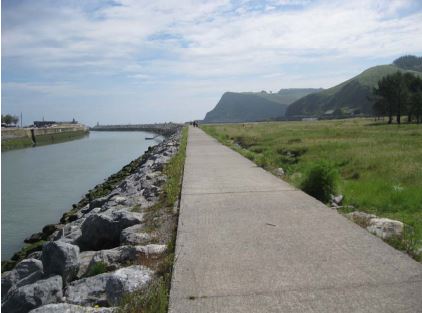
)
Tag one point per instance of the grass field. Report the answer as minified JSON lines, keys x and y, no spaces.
{"x":379,"y":165}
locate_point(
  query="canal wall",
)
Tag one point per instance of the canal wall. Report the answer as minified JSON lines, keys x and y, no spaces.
{"x":14,"y":138}
{"x":164,"y":129}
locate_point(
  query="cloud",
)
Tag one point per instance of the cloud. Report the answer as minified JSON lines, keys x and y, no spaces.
{"x":137,"y":49}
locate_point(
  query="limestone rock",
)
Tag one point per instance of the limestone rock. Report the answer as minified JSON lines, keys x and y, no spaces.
{"x":152,"y":250}
{"x":279,"y":172}
{"x":70,"y":308}
{"x":120,"y":200}
{"x":360,"y":218}
{"x":382,"y":227}
{"x":25,"y":272}
{"x":29,"y":297}
{"x":102,"y":231}
{"x":385,"y":228}
{"x":337,"y":199}
{"x":134,"y":235}
{"x":88,"y":291}
{"x":126,"y":280}
{"x":50,"y":229}
{"x":61,"y":258}
{"x":34,"y":238}
{"x":70,"y":233}
{"x":84,"y":261}
{"x":35,"y":255}
{"x":99,"y":202}
{"x":114,"y":258}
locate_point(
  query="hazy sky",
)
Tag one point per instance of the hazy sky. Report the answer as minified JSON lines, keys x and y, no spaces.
{"x":130,"y":61}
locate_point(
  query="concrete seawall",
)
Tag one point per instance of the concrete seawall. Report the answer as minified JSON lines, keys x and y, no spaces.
{"x":165,"y":129}
{"x":12,"y":138}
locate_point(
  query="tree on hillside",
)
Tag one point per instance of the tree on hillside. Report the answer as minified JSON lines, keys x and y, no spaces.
{"x":415,"y":101}
{"x":409,"y":62}
{"x":392,"y":93}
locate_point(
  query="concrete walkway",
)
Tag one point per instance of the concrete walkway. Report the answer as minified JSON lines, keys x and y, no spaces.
{"x":249,"y":242}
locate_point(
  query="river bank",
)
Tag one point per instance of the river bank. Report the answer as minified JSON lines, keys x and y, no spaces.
{"x":15,"y":138}
{"x":120,"y":222}
{"x":38,"y":183}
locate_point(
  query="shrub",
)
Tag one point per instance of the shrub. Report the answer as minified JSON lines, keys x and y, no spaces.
{"x":320,"y":181}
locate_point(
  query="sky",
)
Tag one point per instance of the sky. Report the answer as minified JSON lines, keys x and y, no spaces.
{"x":134,"y":61}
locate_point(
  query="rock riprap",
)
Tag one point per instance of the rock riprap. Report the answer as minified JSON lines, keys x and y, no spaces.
{"x":28,"y":297}
{"x":126,"y":280}
{"x":88,"y":291}
{"x":70,"y":308}
{"x":94,"y":256}
{"x":101,"y":231}
{"x":60,"y":258}
{"x":26,"y":272}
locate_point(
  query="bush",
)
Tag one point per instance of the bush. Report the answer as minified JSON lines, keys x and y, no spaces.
{"x":320,"y":181}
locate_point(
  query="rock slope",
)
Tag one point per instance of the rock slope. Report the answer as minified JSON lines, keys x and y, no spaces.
{"x":102,"y":252}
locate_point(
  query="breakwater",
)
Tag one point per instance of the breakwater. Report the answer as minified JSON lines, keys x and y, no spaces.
{"x":164,"y":129}
{"x":110,"y":243}
{"x":14,"y":138}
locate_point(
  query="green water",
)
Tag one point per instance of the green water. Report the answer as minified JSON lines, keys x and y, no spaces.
{"x":39,"y":184}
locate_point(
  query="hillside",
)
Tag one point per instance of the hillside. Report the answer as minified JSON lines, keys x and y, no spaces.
{"x":351,"y":96}
{"x":254,"y":106}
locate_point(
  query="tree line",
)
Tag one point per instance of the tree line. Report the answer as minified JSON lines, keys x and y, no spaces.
{"x":9,"y":119}
{"x":398,"y":95}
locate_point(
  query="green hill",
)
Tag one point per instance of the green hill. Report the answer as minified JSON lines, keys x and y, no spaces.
{"x":351,"y":96}
{"x":254,"y":106}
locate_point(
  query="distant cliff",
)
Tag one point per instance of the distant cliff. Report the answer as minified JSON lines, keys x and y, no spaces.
{"x":250,"y":107}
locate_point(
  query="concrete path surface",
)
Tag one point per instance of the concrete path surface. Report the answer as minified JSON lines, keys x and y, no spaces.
{"x":249,"y":242}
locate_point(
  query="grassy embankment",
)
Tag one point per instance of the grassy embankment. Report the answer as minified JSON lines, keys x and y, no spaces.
{"x":25,"y":142}
{"x":156,"y":297}
{"x":380,"y":165}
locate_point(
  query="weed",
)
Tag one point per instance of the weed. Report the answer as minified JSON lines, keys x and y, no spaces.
{"x":152,"y":299}
{"x":320,"y":181}
{"x":96,"y":269}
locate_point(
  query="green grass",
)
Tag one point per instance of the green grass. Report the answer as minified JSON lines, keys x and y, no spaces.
{"x":96,"y":269}
{"x":380,"y":165}
{"x":155,"y":298}
{"x":174,"y":172}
